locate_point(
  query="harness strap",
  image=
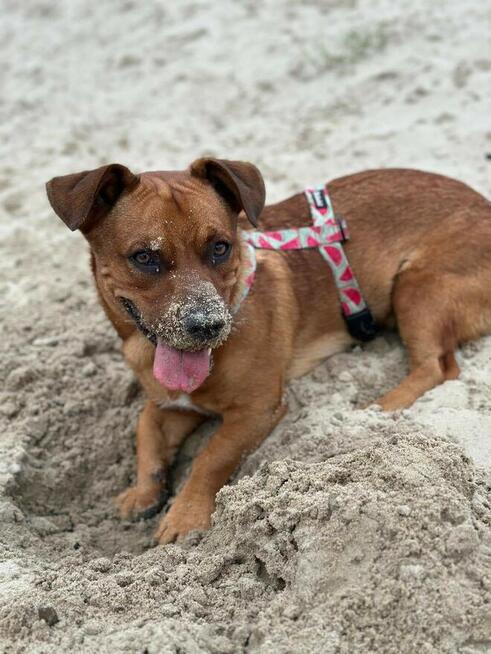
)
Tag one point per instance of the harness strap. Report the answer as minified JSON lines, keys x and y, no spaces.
{"x":249,"y":266}
{"x":327,"y":233}
{"x":358,"y":317}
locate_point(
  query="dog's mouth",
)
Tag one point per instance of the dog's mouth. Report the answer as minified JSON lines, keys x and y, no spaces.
{"x":176,"y":368}
{"x":138,"y":320}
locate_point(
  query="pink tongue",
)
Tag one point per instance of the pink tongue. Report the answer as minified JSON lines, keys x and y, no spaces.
{"x":178,"y":370}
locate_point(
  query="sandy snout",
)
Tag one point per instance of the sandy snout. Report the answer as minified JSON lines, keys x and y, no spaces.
{"x":203,"y":304}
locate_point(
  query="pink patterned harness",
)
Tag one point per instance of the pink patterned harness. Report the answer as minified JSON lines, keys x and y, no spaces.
{"x":327,"y":233}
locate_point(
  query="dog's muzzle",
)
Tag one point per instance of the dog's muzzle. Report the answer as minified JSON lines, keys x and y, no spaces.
{"x":198,"y":323}
{"x":188,"y":327}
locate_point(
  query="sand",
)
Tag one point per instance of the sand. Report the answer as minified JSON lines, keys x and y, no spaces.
{"x":348,"y":530}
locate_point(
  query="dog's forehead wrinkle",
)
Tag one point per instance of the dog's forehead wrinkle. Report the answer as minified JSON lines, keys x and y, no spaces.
{"x":176,"y":188}
{"x":188,"y":186}
{"x":198,"y":201}
{"x":160,"y":201}
{"x":175,"y":201}
{"x":151,"y":182}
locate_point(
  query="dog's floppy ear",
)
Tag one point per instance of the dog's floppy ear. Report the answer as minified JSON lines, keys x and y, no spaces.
{"x":82,"y":196}
{"x":239,"y":182}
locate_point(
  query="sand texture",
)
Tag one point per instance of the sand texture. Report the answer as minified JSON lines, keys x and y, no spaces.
{"x":348,"y":530}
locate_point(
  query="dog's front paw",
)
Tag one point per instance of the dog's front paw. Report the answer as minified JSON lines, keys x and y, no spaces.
{"x":139,"y":502}
{"x":183,"y":517}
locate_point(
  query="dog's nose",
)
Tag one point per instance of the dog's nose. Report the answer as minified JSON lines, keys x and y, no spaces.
{"x":202,"y":327}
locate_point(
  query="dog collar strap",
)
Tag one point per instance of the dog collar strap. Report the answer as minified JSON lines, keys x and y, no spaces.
{"x":327,"y":233}
{"x":249,"y":266}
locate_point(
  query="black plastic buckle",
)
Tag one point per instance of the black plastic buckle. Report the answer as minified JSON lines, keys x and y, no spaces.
{"x":361,"y":325}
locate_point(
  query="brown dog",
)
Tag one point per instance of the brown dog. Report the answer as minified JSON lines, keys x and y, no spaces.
{"x":168,"y":262}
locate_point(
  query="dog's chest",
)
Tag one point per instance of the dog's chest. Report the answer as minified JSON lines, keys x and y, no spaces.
{"x":182,"y":402}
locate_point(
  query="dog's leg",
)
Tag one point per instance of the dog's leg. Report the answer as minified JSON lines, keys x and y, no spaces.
{"x":424,"y":376}
{"x":427,"y":325}
{"x":158,"y":435}
{"x":429,"y":368}
{"x":242,"y":431}
{"x":450,"y":366}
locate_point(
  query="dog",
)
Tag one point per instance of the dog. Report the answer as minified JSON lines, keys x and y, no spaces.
{"x":168,"y":253}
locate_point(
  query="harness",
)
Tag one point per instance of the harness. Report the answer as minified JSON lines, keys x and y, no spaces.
{"x":326,"y":234}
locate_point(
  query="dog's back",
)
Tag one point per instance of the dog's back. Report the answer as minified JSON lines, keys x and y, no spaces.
{"x":420,"y":246}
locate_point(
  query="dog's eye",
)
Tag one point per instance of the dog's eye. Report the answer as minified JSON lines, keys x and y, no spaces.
{"x":146,"y":261}
{"x":221,"y":251}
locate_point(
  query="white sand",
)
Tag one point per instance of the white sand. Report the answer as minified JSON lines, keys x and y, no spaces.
{"x":348,"y":530}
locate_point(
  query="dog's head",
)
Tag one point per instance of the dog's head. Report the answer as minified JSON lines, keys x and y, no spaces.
{"x":167,"y":251}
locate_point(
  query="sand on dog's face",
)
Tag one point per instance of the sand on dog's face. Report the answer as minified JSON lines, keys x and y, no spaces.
{"x":347,"y":530}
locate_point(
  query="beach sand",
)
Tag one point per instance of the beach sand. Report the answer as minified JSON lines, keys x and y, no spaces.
{"x":348,"y":530}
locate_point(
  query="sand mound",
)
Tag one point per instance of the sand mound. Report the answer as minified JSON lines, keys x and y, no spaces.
{"x":346,"y":531}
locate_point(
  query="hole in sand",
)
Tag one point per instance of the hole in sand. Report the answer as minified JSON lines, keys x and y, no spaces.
{"x":79,"y":409}
{"x":66,"y":491}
